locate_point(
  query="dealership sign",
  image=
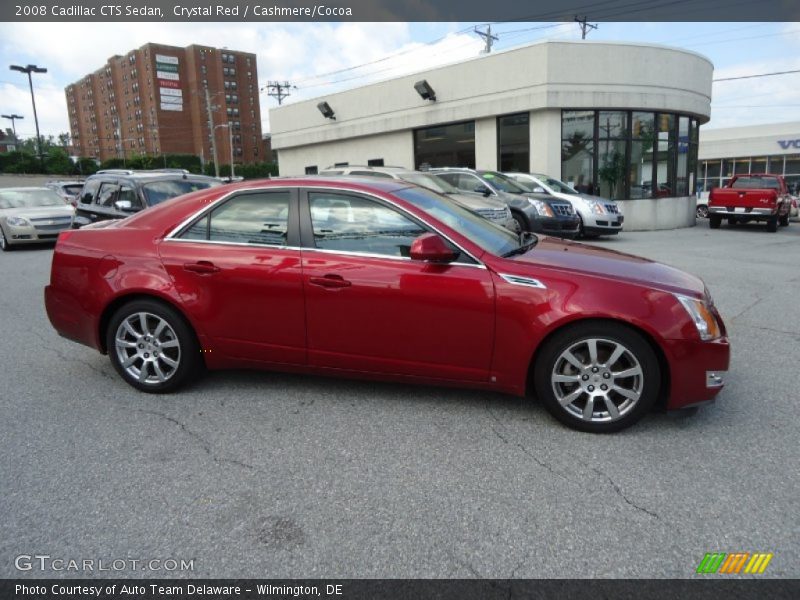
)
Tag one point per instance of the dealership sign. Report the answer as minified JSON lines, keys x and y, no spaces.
{"x":786,"y":144}
{"x":169,"y":86}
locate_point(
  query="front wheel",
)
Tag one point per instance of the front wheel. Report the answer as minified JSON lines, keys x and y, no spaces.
{"x":702,"y":211}
{"x":521,"y":221}
{"x":4,"y":245}
{"x":597,"y":377}
{"x":152,"y":347}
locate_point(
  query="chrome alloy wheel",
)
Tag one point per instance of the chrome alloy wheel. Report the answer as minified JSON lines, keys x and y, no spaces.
{"x":147,"y":348}
{"x":597,"y":380}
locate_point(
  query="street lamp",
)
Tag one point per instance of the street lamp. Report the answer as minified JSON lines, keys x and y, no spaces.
{"x":33,"y":69}
{"x":13,"y":124}
{"x":230,"y":141}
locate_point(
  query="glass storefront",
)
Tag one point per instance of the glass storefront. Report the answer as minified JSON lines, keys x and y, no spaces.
{"x":451,"y":145}
{"x":514,"y":142}
{"x":624,"y":154}
{"x":716,"y":172}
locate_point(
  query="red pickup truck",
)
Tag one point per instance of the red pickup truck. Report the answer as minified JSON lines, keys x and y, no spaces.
{"x":754,"y":197}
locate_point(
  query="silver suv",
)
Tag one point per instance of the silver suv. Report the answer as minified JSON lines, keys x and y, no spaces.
{"x":599,"y":216}
{"x":489,"y":208}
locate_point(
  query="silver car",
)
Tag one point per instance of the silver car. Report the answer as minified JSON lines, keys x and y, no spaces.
{"x":489,"y":208}
{"x":31,"y":215}
{"x":599,"y":216}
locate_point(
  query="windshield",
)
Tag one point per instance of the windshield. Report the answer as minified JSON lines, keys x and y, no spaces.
{"x":556,"y":185}
{"x":490,"y":237}
{"x":437,"y":184}
{"x":158,"y":191}
{"x":503,"y":183}
{"x":29,"y":198}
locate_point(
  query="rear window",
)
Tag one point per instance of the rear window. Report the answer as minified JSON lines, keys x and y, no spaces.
{"x":768,"y":183}
{"x":159,"y":191}
{"x":73,"y":190}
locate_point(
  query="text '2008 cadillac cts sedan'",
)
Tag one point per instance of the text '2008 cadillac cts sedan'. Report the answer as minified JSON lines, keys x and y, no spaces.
{"x":390,"y":281}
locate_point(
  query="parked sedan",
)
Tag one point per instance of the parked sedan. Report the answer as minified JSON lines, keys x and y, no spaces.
{"x":68,"y":190}
{"x":387,"y":281}
{"x":30,"y":215}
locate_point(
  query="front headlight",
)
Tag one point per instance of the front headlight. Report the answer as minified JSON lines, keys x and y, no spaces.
{"x":18,"y":221}
{"x":541,"y":207}
{"x":704,"y":320}
{"x":598,"y":209}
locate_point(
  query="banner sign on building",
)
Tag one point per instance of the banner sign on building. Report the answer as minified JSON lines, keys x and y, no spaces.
{"x":169,"y":85}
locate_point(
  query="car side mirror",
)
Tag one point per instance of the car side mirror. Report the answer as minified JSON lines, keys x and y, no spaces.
{"x":431,"y":247}
{"x":482,"y":189}
{"x":124,"y":206}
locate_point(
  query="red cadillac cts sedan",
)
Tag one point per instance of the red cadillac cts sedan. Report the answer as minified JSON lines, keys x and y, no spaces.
{"x":385,"y":280}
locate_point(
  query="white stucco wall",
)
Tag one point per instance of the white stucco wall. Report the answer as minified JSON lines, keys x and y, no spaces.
{"x":753,"y":140}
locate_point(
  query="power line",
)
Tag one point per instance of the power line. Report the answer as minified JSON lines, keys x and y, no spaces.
{"x":754,"y":76}
{"x":278,"y":90}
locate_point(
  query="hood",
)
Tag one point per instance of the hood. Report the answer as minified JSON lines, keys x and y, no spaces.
{"x":610,"y":264}
{"x":597,"y":199}
{"x":39,"y":212}
{"x":476,"y":202}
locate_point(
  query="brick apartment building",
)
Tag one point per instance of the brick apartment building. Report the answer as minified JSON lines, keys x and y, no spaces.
{"x":153,"y":100}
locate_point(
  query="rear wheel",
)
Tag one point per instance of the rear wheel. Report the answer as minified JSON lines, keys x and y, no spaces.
{"x":152,"y":347}
{"x":772,"y":225}
{"x":784,"y":220}
{"x":732,"y":221}
{"x":597,"y":377}
{"x":714,"y":221}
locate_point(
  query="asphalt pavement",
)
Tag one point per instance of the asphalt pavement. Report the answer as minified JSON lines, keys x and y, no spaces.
{"x":270,"y":475}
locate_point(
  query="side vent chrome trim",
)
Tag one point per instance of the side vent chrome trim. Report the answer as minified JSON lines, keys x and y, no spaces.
{"x":526,"y":281}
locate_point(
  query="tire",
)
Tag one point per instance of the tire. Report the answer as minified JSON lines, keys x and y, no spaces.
{"x":772,"y":225}
{"x":566,"y":391}
{"x":521,"y":221}
{"x":702,"y":211}
{"x":4,"y":245}
{"x":141,"y":330}
{"x":714,"y":221}
{"x":784,"y":220}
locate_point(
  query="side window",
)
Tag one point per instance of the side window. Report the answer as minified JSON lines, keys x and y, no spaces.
{"x":126,"y":192}
{"x":251,"y":218}
{"x":89,"y":190}
{"x":354,"y":224}
{"x":107,"y":195}
{"x":470,"y":182}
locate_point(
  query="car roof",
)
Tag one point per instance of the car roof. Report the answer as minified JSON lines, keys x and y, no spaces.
{"x":356,"y":183}
{"x":151,"y":176}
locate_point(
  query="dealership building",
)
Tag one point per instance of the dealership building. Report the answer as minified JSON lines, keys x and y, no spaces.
{"x":617,"y":119}
{"x":773,"y":148}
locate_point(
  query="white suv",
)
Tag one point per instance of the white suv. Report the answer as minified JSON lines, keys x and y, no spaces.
{"x":599,"y":216}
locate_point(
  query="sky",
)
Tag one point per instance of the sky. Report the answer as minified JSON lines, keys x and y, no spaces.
{"x":312,"y":56}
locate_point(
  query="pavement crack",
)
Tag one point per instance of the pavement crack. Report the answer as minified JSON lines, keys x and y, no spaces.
{"x":747,"y":308}
{"x":68,"y":357}
{"x":622,"y":495}
{"x":201,"y":441}
{"x":522,"y":448}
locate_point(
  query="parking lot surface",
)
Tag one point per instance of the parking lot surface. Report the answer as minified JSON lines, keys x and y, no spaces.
{"x":271,"y":475}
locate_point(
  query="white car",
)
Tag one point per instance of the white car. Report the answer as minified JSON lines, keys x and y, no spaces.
{"x":32,"y":214}
{"x":599,"y":216}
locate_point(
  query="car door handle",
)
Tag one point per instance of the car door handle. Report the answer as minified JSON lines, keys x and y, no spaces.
{"x":330,"y":281}
{"x":203,"y":267}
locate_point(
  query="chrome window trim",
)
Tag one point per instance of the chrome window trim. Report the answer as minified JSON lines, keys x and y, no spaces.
{"x":170,"y":237}
{"x":523,"y":281}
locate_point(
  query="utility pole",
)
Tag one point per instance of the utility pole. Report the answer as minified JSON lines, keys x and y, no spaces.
{"x":279,"y":90}
{"x":213,"y":134}
{"x":585,"y":27}
{"x":488,"y":37}
{"x":28,"y":70}
{"x":13,"y":124}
